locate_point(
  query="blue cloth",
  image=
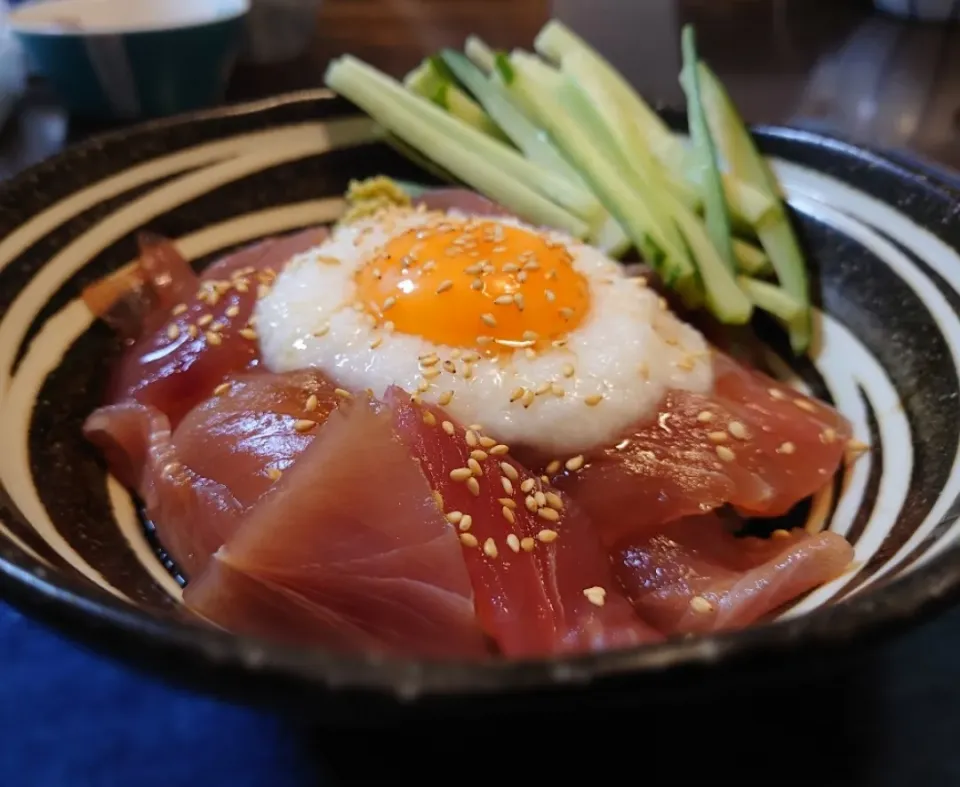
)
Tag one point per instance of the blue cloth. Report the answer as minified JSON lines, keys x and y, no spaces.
{"x":71,"y":719}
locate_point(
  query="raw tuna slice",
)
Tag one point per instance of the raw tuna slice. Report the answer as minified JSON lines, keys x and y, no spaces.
{"x":542,"y":581}
{"x":348,"y":551}
{"x":188,"y":332}
{"x":754,"y":443}
{"x":222,"y":458}
{"x":696,"y":576}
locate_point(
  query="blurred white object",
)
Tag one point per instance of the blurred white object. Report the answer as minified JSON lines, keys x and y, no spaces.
{"x":12,"y":71}
{"x":924,"y":10}
{"x":279,"y":30}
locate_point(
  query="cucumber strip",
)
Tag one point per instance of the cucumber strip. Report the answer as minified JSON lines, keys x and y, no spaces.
{"x":350,"y":73}
{"x":714,"y":200}
{"x":413,"y":119}
{"x":747,"y":206}
{"x":751,"y":260}
{"x":612,"y":239}
{"x":771,"y":298}
{"x":418,"y":158}
{"x":776,"y":233}
{"x":479,"y":54}
{"x":433,"y":80}
{"x":724,"y":299}
{"x":583,"y":146}
{"x":531,"y":140}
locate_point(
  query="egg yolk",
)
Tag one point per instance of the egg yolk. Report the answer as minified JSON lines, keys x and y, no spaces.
{"x":476,"y":284}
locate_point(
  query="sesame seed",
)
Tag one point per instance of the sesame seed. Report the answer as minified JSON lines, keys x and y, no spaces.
{"x":274,"y":473}
{"x":574,"y":463}
{"x":475,"y":427}
{"x":554,"y":501}
{"x":508,"y":514}
{"x":430,"y":373}
{"x":322,"y":331}
{"x":717,"y":437}
{"x":214,"y":339}
{"x":304,"y":425}
{"x":429,"y":418}
{"x":725,"y":453}
{"x":542,"y":389}
{"x":449,"y":367}
{"x":461,"y":474}
{"x":232,"y":311}
{"x":173,"y":331}
{"x":531,"y":504}
{"x":701,"y":605}
{"x":527,"y":544}
{"x":509,"y":502}
{"x":444,"y":398}
{"x":487,"y":442}
{"x":449,"y":428}
{"x":593,"y":400}
{"x":490,"y":548}
{"x":311,"y":404}
{"x":343,"y":394}
{"x":474,"y":486}
{"x":466,"y":523}
{"x":557,"y":390}
{"x":518,"y":299}
{"x":550,"y":295}
{"x":786,"y":448}
{"x":437,"y":499}
{"x":509,"y":471}
{"x":528,"y":398}
{"x":423,"y":386}
{"x":828,"y":435}
{"x":596,"y":596}
{"x":482,"y":340}
{"x":548,"y":513}
{"x":474,"y":466}
{"x":389,"y":302}
{"x":780,"y":534}
{"x":568,"y":370}
{"x":469,"y":540}
{"x":803,"y":404}
{"x":430,"y":360}
{"x":216,"y":327}
{"x":248,"y":333}
{"x":179,"y":309}
{"x":444,"y":286}
{"x":566,"y":312}
{"x":503,"y":300}
{"x":489,"y":319}
{"x":376,"y":343}
{"x":738,"y":430}
{"x":510,"y":268}
{"x":776,"y":393}
{"x":205,"y":320}
{"x":499,"y":449}
{"x":527,"y":485}
{"x":513,"y":542}
{"x":221,"y":389}
{"x":547,"y":536}
{"x":530,"y":336}
{"x":454,"y":517}
{"x":507,"y":485}
{"x":532,"y":265}
{"x":517,"y":393}
{"x":553,"y":468}
{"x":193,"y":331}
{"x":540,"y":498}
{"x":476,"y":284}
{"x":704,"y":416}
{"x":471,"y":437}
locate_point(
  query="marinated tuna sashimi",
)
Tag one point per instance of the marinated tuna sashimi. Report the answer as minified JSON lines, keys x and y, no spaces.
{"x":695,"y":576}
{"x":188,"y":331}
{"x":348,"y":551}
{"x":198,"y":479}
{"x":543,"y":583}
{"x":753,"y":442}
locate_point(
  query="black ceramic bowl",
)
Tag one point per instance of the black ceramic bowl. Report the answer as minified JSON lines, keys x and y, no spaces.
{"x":883,"y":235}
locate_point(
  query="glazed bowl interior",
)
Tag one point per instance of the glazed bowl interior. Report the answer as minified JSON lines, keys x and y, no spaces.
{"x":74,"y":549}
{"x":93,"y":17}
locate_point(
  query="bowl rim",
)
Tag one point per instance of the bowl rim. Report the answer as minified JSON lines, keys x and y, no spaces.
{"x":96,"y":616}
{"x":49,"y":29}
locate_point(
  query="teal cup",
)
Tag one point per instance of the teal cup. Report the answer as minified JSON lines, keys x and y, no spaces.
{"x":131,"y":59}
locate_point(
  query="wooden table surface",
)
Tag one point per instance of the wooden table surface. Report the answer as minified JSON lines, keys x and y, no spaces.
{"x":828,"y":64}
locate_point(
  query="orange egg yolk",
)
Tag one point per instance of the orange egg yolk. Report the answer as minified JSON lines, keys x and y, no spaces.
{"x":476,"y":284}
